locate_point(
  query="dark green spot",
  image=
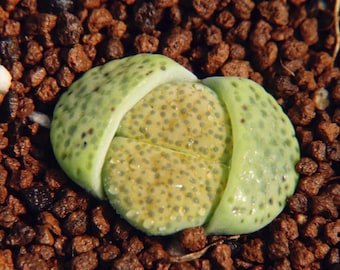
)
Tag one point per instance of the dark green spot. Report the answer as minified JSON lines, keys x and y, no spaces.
{"x":72,"y":129}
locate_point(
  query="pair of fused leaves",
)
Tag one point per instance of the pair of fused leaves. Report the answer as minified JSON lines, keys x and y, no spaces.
{"x":170,"y":151}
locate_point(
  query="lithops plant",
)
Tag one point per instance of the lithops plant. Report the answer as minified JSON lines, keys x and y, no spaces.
{"x":170,"y":151}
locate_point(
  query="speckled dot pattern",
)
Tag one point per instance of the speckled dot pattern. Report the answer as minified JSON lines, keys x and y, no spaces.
{"x":159,"y":190}
{"x":171,"y":152}
{"x":265,"y":152}
{"x":88,"y":114}
{"x":183,"y":116}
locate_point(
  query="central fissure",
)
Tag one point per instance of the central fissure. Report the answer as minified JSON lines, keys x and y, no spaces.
{"x":167,"y":165}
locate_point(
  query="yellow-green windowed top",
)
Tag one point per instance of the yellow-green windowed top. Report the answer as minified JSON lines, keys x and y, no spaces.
{"x":168,"y":164}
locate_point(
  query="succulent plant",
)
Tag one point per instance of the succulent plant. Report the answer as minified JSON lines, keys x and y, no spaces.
{"x":170,"y":151}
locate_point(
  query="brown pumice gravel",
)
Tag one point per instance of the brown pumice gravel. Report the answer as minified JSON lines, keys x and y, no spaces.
{"x":47,"y":222}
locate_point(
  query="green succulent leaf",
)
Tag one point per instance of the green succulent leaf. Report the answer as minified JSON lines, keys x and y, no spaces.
{"x":87,"y":116}
{"x":265,"y":150}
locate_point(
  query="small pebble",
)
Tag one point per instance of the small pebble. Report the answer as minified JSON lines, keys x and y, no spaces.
{"x":5,"y":80}
{"x":40,"y":118}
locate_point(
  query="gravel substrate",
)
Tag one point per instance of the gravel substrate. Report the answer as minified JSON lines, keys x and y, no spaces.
{"x":288,"y":46}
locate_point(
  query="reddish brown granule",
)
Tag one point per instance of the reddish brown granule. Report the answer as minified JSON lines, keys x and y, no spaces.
{"x":150,"y":256}
{"x":285,"y":88}
{"x":47,"y":219}
{"x":69,"y":203}
{"x":21,"y":180}
{"x":3,"y":194}
{"x":76,"y":223}
{"x":253,"y":251}
{"x":305,"y":136}
{"x":78,"y":60}
{"x":114,"y":49}
{"x":177,"y":43}
{"x":204,"y":8}
{"x":145,"y":43}
{"x":243,"y":8}
{"x":240,"y":31}
{"x":20,"y":234}
{"x":48,"y":89}
{"x":100,"y":220}
{"x":84,"y":243}
{"x":306,"y":166}
{"x":6,"y":260}
{"x":133,"y":245}
{"x":52,"y":61}
{"x":278,"y":246}
{"x":99,"y":19}
{"x":226,"y":19}
{"x":322,"y":61}
{"x":35,"y":76}
{"x":332,"y":231}
{"x":294,"y":49}
{"x":274,"y":11}
{"x":286,"y":225}
{"x":44,"y":236}
{"x":46,"y":252}
{"x":320,"y":249}
{"x":65,"y":76}
{"x":69,"y":29}
{"x":328,"y":131}
{"x":237,"y":51}
{"x":303,"y":112}
{"x":108,"y":252}
{"x":266,"y":55}
{"x":324,"y":205}
{"x":260,"y":35}
{"x":60,"y":245}
{"x":213,"y":35}
{"x":221,"y":255}
{"x":239,"y":68}
{"x":300,"y":256}
{"x":33,"y":261}
{"x":310,"y":185}
{"x":55,"y":179}
{"x":317,"y":150}
{"x":34,"y":53}
{"x":85,"y":261}
{"x":33,"y":165}
{"x":336,"y":93}
{"x":309,"y":31}
{"x":127,"y":261}
{"x":193,"y":239}
{"x":217,"y":57}
{"x":314,"y":227}
{"x":90,"y":4}
{"x":17,"y":71}
{"x":305,"y":79}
